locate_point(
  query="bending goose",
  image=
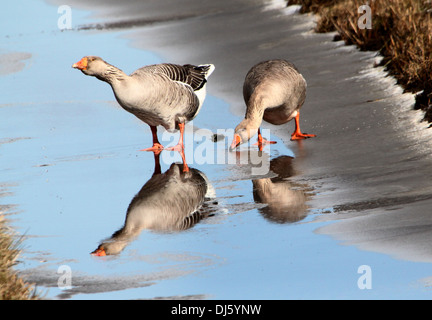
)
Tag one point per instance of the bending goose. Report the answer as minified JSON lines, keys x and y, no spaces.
{"x":171,"y":201}
{"x":273,"y":91}
{"x":163,"y":94}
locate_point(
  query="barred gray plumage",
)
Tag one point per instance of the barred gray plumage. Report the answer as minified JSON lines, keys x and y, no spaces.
{"x":195,"y":76}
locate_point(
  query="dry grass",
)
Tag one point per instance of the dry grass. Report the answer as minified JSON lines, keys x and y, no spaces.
{"x":11,"y":286}
{"x":401,"y":32}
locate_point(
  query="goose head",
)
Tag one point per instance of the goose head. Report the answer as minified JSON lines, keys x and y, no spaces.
{"x":100,"y":251}
{"x":109,"y":248}
{"x":243,"y":132}
{"x":91,"y":65}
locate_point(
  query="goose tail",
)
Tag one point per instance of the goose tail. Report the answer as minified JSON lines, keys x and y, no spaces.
{"x":207,"y":69}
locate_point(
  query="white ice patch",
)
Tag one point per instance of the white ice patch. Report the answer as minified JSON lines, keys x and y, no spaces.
{"x":281,"y":5}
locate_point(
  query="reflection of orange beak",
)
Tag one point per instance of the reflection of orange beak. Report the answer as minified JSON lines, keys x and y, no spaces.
{"x":100,"y":252}
{"x":82,"y":64}
{"x":236,"y":142}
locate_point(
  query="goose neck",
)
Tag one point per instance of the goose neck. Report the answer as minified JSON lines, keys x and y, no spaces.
{"x":113,"y":75}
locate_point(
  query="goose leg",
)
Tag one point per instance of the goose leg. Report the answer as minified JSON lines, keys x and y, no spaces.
{"x":262,"y":142}
{"x":180,"y":146}
{"x":157,"y":147}
{"x":297,"y":134}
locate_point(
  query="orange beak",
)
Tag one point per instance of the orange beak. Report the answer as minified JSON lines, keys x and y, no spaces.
{"x":100,"y":252}
{"x":236,"y":142}
{"x":81,"y":65}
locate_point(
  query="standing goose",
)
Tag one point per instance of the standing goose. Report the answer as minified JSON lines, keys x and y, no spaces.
{"x":273,"y":90}
{"x":163,"y":94}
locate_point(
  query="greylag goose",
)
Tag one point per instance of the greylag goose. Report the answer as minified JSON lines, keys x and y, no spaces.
{"x":170,"y":201}
{"x":273,"y":91}
{"x":286,"y":202}
{"x":163,"y":94}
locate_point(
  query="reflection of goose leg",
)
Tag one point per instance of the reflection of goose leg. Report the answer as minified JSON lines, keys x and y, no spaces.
{"x":180,"y":146}
{"x":157,"y":147}
{"x":185,"y":166}
{"x":262,"y":142}
{"x":157,"y":169}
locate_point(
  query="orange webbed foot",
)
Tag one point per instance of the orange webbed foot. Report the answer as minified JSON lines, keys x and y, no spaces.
{"x":262,"y":142}
{"x":156,"y":148}
{"x":301,"y":136}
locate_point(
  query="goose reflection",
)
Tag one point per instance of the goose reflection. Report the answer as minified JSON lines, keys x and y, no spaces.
{"x":285,"y":201}
{"x":169,"y":201}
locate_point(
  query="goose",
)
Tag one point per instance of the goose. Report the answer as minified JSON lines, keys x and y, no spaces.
{"x":273,"y":91}
{"x":171,"y":201}
{"x":166,"y":94}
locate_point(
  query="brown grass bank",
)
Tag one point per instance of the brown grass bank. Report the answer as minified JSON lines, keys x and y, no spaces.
{"x":12,"y":287}
{"x":401,"y":32}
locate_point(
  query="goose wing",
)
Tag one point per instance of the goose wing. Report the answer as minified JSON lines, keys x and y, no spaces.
{"x":194,"y":76}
